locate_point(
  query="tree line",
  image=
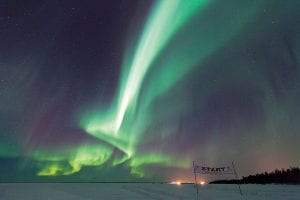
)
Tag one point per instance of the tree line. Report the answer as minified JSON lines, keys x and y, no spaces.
{"x":283,"y":176}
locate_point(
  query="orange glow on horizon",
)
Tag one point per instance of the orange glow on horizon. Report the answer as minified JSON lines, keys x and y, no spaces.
{"x":176,"y":183}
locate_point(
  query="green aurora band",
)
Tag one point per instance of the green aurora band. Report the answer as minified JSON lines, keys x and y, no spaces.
{"x":168,"y":49}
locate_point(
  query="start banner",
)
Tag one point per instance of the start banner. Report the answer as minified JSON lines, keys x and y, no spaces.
{"x":213,"y":170}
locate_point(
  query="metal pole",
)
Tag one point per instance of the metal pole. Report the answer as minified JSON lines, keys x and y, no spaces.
{"x":196,"y":185}
{"x":236,"y":177}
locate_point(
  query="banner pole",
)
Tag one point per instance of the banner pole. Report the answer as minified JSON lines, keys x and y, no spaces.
{"x":236,"y":177}
{"x":196,"y":185}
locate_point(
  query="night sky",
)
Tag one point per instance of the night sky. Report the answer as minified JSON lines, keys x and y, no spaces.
{"x":130,"y":90}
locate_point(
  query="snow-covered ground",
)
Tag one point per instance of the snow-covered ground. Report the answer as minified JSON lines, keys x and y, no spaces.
{"x":143,"y":191}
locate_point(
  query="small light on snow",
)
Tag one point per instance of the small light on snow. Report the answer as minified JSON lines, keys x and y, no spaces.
{"x":176,"y":183}
{"x":202,"y":182}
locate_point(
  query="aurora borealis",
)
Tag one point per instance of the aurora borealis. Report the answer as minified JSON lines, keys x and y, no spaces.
{"x":130,"y":90}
